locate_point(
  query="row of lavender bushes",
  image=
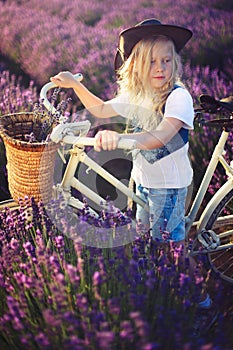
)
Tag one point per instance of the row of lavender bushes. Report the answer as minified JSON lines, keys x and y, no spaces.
{"x":46,"y":37}
{"x":59,"y":294}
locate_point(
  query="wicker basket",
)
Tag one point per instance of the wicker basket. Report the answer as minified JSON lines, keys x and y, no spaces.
{"x":30,"y":166}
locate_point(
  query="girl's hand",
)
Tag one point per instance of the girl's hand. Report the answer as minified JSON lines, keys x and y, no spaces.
{"x":106,"y":140}
{"x":64,"y":80}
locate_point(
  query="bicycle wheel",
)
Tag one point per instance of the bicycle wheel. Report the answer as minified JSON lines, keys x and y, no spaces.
{"x":221,"y":222}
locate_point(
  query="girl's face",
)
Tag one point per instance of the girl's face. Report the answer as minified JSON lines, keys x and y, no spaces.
{"x":161,"y":65}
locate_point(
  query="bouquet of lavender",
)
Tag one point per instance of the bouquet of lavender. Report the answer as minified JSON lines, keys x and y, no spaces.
{"x":46,"y":119}
{"x":16,"y":101}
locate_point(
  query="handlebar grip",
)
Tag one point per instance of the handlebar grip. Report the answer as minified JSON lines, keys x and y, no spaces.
{"x":127,"y":144}
{"x":49,"y":86}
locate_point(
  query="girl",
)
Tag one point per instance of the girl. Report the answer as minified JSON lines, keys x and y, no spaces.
{"x":159,"y":112}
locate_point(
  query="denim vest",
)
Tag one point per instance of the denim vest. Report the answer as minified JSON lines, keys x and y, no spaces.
{"x":173,"y":145}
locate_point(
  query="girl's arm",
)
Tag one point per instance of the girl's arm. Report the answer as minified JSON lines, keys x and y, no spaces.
{"x":164,"y":132}
{"x":92,"y":103}
{"x":108,"y":140}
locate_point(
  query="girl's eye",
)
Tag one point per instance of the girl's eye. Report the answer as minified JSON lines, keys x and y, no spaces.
{"x":166,"y":60}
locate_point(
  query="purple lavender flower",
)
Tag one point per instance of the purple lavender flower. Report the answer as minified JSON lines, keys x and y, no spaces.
{"x":42,"y":340}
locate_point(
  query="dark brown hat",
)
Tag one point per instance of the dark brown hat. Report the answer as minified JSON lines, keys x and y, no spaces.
{"x":128,"y":38}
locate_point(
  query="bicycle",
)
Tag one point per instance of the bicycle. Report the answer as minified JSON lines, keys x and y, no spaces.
{"x":214,"y":228}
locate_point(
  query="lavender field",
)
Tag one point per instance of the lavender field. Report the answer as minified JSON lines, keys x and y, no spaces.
{"x":56,"y":293}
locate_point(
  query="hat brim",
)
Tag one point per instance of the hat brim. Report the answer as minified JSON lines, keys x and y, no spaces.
{"x":128,"y":38}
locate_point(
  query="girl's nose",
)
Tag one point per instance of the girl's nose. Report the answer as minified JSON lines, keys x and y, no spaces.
{"x":159,"y":66}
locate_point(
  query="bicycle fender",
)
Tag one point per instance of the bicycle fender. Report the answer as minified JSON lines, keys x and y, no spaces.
{"x":213,"y":203}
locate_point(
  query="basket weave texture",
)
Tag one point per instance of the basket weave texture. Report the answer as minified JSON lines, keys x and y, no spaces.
{"x":30,"y":166}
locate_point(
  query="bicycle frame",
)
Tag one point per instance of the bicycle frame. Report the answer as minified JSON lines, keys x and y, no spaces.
{"x":77,"y":155}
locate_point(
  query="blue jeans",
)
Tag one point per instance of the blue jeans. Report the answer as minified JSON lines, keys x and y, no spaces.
{"x":166,"y":213}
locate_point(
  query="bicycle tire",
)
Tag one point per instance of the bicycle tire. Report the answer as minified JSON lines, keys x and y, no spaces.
{"x":221,"y":262}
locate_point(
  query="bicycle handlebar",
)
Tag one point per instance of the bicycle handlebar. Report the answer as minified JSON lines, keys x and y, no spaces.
{"x":75,"y":134}
{"x":127,"y":144}
{"x":49,"y":86}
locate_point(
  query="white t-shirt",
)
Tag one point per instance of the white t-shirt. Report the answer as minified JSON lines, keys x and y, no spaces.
{"x":173,"y":170}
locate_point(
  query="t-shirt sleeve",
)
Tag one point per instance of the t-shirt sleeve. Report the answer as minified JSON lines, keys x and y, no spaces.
{"x":120,"y":104}
{"x":179,"y":105}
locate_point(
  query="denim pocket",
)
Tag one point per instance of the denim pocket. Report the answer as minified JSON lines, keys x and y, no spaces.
{"x":167,"y":209}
